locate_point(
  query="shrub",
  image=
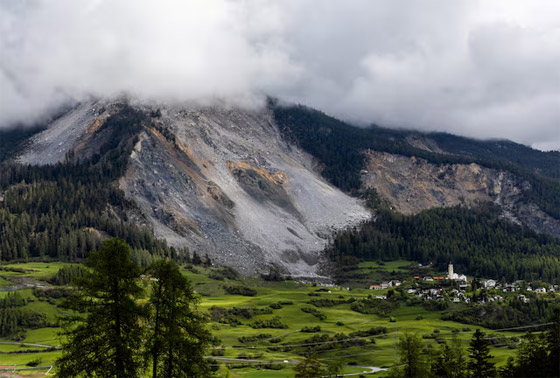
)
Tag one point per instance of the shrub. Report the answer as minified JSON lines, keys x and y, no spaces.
{"x":240,"y":290}
{"x":275,"y":322}
{"x":311,"y":329}
{"x":319,"y":315}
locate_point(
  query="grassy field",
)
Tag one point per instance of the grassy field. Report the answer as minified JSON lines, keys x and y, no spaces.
{"x":247,"y":359}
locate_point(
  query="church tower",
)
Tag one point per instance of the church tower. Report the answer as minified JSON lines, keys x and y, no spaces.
{"x":450,"y":271}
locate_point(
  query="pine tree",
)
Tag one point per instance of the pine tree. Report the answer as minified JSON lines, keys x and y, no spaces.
{"x":553,"y":341}
{"x":178,"y":336}
{"x":310,"y":367}
{"x":479,"y":352}
{"x":411,"y":358}
{"x":449,"y":363}
{"x":108,"y":343}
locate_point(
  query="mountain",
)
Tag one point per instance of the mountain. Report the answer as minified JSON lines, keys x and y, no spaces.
{"x":253,"y":189}
{"x":221,"y":182}
{"x":415,"y":171}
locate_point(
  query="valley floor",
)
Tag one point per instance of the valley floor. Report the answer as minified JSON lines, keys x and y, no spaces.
{"x":246,"y":349}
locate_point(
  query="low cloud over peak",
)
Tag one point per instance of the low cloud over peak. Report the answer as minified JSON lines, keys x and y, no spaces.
{"x":477,"y":68}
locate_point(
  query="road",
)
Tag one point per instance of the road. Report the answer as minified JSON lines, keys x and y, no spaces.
{"x":367,"y":369}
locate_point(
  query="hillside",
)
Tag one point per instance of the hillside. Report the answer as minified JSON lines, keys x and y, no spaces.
{"x":416,"y":172}
{"x":220,"y":182}
{"x":257,"y":189}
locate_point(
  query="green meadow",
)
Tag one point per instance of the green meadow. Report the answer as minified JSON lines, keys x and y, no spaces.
{"x":245,"y":350}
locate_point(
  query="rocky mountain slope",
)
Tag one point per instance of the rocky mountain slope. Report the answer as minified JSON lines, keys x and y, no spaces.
{"x":415,"y":172}
{"x":412,"y":185}
{"x":221,"y":182}
{"x":260,"y":188}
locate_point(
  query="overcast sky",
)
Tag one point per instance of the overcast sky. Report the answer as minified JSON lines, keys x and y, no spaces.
{"x":488,"y":68}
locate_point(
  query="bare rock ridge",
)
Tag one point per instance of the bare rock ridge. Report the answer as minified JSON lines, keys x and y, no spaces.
{"x":218,"y":181}
{"x":224,"y":182}
{"x":412,"y":185}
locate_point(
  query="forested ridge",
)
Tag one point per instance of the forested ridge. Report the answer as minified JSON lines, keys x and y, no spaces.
{"x":475,"y":240}
{"x":63,"y":211}
{"x":339,"y":147}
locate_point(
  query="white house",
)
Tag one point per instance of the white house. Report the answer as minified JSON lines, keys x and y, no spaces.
{"x":489,"y":284}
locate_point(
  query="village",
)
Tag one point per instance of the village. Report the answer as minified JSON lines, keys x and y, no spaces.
{"x":457,"y":288}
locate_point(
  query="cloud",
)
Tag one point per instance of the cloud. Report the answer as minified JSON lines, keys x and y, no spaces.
{"x":477,"y":68}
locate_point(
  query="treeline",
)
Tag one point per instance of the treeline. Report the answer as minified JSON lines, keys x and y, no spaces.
{"x":66,"y":274}
{"x":339,"y":148}
{"x":475,"y":240}
{"x":14,"y":317}
{"x":498,"y":316}
{"x":537,"y":356}
{"x":114,"y":334}
{"x":63,"y":211}
{"x":547,"y":163}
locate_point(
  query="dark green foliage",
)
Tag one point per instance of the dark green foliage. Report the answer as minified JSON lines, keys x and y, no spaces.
{"x":307,"y":329}
{"x":54,"y":293}
{"x":67,"y":273}
{"x":546,"y":163}
{"x":34,"y":362}
{"x":412,"y":361}
{"x":57,"y":211}
{"x":14,"y":317}
{"x":12,"y":299}
{"x":275,"y":322}
{"x":340,"y":148}
{"x":374,"y":306}
{"x":310,"y":367}
{"x":373,"y":331}
{"x":476,"y":241}
{"x":178,"y":337}
{"x":108,"y":342}
{"x":231,"y":315}
{"x":328,"y":302}
{"x":334,"y":143}
{"x":515,"y":313}
{"x":318,"y":314}
{"x":240,"y":290}
{"x":553,"y":340}
{"x":254,"y":338}
{"x":450,"y":361}
{"x":324,"y":342}
{"x":223,"y":273}
{"x":537,"y":356}
{"x":480,"y":364}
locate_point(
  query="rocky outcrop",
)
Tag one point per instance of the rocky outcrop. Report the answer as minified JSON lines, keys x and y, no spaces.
{"x":219,"y":181}
{"x":224,"y":183}
{"x":411,"y":185}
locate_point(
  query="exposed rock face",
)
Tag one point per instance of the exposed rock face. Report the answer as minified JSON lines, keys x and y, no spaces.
{"x":224,"y":182}
{"x":412,"y":185}
{"x":218,"y":181}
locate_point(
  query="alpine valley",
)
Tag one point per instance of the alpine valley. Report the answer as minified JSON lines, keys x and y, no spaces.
{"x":307,"y":240}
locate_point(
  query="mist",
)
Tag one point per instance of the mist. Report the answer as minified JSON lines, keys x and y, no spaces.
{"x":485,"y":69}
